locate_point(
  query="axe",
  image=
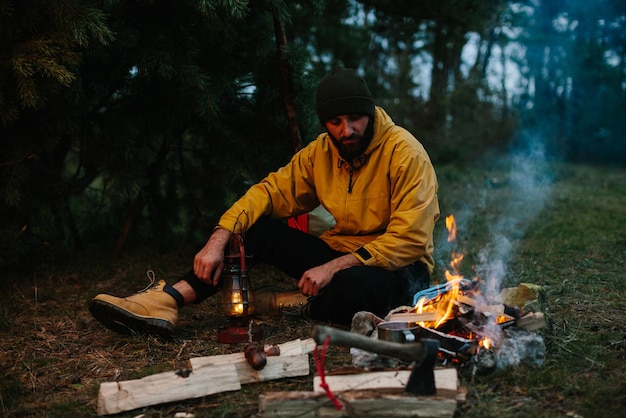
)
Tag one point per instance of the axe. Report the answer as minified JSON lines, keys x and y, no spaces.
{"x":422,"y":354}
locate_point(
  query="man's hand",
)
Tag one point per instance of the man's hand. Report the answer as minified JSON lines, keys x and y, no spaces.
{"x":315,"y":279}
{"x":209,"y":261}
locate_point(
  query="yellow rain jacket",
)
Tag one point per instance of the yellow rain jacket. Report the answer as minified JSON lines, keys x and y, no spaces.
{"x":385,"y":204}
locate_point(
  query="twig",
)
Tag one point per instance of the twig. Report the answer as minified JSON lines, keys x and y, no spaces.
{"x":180,"y":352}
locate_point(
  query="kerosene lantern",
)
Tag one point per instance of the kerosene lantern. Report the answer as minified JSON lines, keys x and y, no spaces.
{"x":237,"y":299}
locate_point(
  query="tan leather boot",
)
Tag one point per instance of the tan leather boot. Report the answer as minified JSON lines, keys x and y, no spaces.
{"x":151,"y":311}
{"x":272,"y":300}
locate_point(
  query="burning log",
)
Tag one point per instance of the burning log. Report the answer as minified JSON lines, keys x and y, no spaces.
{"x":495,"y":309}
{"x":451,"y":345}
{"x":413,"y":317}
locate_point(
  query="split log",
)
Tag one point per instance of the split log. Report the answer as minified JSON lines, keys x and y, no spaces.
{"x":295,"y":404}
{"x":370,"y":394}
{"x":115,"y":397}
{"x":531,"y":321}
{"x":431,"y":316}
{"x":290,"y":348}
{"x":496,"y":309}
{"x":277,"y":367}
{"x":365,"y":404}
{"x":292,"y":361}
{"x":207,"y":376}
{"x":446,"y":381}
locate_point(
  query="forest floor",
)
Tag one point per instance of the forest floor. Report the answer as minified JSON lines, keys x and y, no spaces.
{"x":565,"y":230}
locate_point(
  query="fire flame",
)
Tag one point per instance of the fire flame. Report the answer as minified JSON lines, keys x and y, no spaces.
{"x":444,"y":303}
{"x":451,"y":227}
{"x":237,"y":303}
{"x":451,"y":299}
{"x":485,"y":343}
{"x":455,"y":263}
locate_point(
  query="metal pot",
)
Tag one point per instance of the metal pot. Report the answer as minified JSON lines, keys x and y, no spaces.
{"x":398,"y":332}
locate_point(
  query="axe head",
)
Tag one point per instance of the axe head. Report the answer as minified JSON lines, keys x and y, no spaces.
{"x":422,"y":378}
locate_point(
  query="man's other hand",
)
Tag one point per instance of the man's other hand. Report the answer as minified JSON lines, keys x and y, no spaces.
{"x":315,"y":279}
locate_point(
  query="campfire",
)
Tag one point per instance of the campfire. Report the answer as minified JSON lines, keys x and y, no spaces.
{"x":466,"y":323}
{"x":461,"y":309}
{"x":459,"y":317}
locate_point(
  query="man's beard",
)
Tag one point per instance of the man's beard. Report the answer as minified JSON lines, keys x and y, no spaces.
{"x":351,"y":151}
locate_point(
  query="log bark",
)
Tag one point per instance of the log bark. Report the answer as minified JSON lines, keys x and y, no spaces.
{"x":398,"y":405}
{"x":367,"y":395}
{"x":356,"y":404}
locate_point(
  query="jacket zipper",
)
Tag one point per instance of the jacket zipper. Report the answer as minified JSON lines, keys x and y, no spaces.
{"x":341,"y":162}
{"x":350,"y":181}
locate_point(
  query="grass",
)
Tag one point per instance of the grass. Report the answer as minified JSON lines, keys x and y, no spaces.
{"x":567,"y":233}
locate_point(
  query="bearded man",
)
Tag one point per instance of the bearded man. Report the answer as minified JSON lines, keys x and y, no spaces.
{"x":372,"y":176}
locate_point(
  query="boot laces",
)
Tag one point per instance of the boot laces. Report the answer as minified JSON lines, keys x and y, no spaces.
{"x":152,"y":277}
{"x":291,"y":309}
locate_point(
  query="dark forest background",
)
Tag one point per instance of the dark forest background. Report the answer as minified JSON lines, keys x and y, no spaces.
{"x":131,"y":121}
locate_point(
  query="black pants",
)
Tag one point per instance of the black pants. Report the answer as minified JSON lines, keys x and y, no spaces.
{"x":354,"y":289}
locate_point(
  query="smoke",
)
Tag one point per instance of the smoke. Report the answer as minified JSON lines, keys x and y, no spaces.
{"x":498,"y":214}
{"x":529,"y":184}
{"x":504,"y":206}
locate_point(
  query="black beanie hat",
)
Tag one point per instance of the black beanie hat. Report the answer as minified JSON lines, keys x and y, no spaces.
{"x":343,"y":92}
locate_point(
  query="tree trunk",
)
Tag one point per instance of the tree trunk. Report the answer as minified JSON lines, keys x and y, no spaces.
{"x":283,"y":66}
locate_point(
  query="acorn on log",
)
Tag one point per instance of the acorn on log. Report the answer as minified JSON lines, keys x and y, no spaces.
{"x":271,"y":350}
{"x":255,"y":356}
